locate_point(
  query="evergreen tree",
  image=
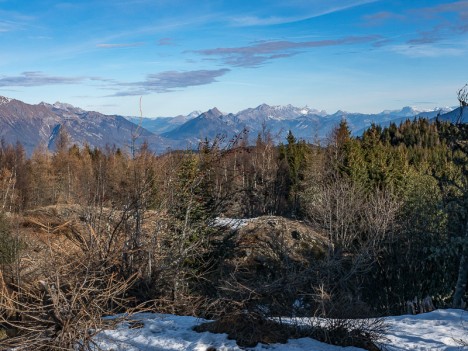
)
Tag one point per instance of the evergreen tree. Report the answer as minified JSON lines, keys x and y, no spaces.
{"x":294,"y":153}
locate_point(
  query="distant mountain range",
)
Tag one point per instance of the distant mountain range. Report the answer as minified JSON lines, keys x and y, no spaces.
{"x":35,"y":125}
{"x":305,"y":123}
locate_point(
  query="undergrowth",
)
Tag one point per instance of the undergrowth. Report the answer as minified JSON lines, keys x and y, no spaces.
{"x":249,"y":329}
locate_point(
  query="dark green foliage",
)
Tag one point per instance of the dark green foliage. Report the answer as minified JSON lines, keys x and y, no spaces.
{"x":454,"y":183}
{"x":293,"y":156}
{"x":417,"y":260}
{"x":425,"y":166}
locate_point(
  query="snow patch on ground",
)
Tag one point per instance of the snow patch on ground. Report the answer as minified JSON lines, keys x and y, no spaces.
{"x":436,"y":330}
{"x":162,"y":332}
{"x":232,"y":223}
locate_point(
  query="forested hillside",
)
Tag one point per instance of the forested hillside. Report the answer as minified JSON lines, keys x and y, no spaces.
{"x":352,"y":228}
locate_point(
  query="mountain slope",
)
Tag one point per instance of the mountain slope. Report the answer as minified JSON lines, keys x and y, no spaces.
{"x":161,"y":125}
{"x":305,"y":123}
{"x":34,"y":125}
{"x":455,"y":116}
{"x":210,"y":124}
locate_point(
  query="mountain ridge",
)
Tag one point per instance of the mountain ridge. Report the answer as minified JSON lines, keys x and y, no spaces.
{"x":308,"y":124}
{"x":34,"y":125}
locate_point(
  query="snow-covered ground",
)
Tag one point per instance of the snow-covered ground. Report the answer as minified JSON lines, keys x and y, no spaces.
{"x":437,"y":330}
{"x":232,"y":223}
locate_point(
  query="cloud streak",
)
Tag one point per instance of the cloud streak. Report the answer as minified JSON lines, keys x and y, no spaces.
{"x":34,"y":79}
{"x":12,"y":21}
{"x":168,"y":81}
{"x":428,"y":37}
{"x":427,"y":50}
{"x":165,"y":42}
{"x":458,"y":7}
{"x":441,"y":30}
{"x":260,"y":53}
{"x":10,"y":26}
{"x":6,"y":26}
{"x":119,"y":45}
{"x":381,"y":17}
{"x":162,"y":82}
{"x":444,"y":29}
{"x":244,"y":21}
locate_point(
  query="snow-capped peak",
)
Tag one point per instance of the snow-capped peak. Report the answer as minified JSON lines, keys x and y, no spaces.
{"x":4,"y":100}
{"x":62,"y":105}
{"x":411,"y":111}
{"x":66,"y":107}
{"x":408,"y":111}
{"x":212,"y":113}
{"x":339,"y":113}
{"x":194,"y":114}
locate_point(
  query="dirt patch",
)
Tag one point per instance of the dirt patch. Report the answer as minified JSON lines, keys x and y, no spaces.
{"x":273,"y":237}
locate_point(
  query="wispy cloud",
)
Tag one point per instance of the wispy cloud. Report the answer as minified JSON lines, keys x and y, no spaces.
{"x":165,"y":42}
{"x":120,"y":45}
{"x":261,"y":52}
{"x":14,"y":21}
{"x":162,"y":82}
{"x":442,"y":28}
{"x":381,"y":17}
{"x":35,"y":79}
{"x":64,"y":5}
{"x":428,"y":37}
{"x":31,"y":79}
{"x":445,"y":29}
{"x":427,"y":50}
{"x":168,"y":81}
{"x":9,"y":90}
{"x":275,"y":20}
{"x":9,"y":26}
{"x":40,"y":37}
{"x":458,"y":7}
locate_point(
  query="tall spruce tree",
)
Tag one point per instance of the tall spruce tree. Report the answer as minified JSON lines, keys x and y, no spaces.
{"x":294,"y":153}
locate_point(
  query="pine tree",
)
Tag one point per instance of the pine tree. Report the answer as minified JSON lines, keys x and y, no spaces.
{"x":294,"y":153}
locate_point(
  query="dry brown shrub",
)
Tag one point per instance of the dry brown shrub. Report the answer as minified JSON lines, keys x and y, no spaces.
{"x":248,"y":329}
{"x":62,"y":288}
{"x":65,"y":309}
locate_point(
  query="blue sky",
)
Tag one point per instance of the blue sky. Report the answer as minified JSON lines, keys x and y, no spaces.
{"x":184,"y":55}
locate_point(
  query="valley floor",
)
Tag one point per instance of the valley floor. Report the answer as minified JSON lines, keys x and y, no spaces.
{"x":438,"y":330}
